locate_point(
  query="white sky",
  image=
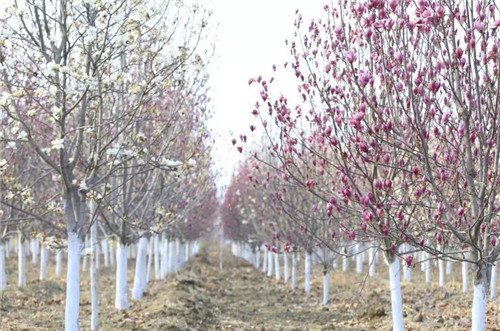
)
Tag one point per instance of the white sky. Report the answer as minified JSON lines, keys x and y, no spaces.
{"x":251,"y":38}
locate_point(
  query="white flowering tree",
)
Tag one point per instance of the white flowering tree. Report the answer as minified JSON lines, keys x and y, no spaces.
{"x":78,"y":80}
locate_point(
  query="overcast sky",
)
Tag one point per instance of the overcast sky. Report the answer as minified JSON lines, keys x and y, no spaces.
{"x":251,"y":38}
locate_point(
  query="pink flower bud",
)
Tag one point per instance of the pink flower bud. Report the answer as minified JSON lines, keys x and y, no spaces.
{"x":459,"y":52}
{"x":408,"y":260}
{"x":352,"y":235}
{"x":350,"y":56}
{"x":460,"y":211}
{"x":240,"y":149}
{"x":493,"y":241}
{"x":377,"y":184}
{"x":388,"y":184}
{"x":363,"y":226}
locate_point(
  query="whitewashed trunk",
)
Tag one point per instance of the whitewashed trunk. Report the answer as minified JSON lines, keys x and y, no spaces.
{"x":465,"y":275}
{"x":186,"y":251}
{"x":156,"y":248}
{"x":163,"y":257}
{"x":270,"y":264}
{"x":359,"y":259}
{"x":325,"y":287}
{"x":86,"y":256}
{"x":422,"y":260}
{"x":335,"y":264}
{"x":406,"y":272}
{"x":277,"y":266}
{"x":59,"y":254}
{"x":7,"y":248}
{"x":181,"y":255}
{"x":171,"y":257}
{"x":371,"y":270}
{"x":449,"y":267}
{"x":286,"y":275}
{"x":121,"y":300}
{"x":21,"y":258}
{"x":111,"y":250}
{"x":441,"y":272}
{"x":307,"y":272}
{"x":72,"y":308}
{"x":257,"y":259}
{"x":3,"y":275}
{"x":150,"y":260}
{"x":140,"y":281}
{"x":396,"y":299}
{"x":94,"y":263}
{"x":34,"y":251}
{"x":264,"y":264}
{"x":105,"y":251}
{"x":44,"y":261}
{"x":493,"y":282}
{"x":479,"y":307}
{"x":427,"y":268}
{"x":345,"y":263}
{"x":97,"y":253}
{"x":294,"y":270}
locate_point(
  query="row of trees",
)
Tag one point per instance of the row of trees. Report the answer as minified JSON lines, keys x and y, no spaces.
{"x":390,"y":137}
{"x":102,"y":116}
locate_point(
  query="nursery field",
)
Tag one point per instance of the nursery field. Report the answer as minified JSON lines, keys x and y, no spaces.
{"x":202,"y":297}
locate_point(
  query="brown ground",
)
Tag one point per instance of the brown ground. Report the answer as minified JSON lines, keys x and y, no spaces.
{"x":202,"y":297}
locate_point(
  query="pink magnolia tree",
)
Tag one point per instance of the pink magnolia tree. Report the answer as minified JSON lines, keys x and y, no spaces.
{"x":396,"y":102}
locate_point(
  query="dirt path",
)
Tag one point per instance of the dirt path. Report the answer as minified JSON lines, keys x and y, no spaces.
{"x":200,"y":296}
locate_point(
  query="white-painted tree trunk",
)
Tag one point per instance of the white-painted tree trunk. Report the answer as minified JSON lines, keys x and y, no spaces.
{"x":72,"y":308}
{"x":335,"y":264}
{"x":493,"y":281}
{"x":21,"y":258}
{"x":7,"y":248}
{"x":270,"y":264}
{"x":59,"y":254}
{"x":86,"y":256}
{"x":406,"y":271}
{"x":3,"y":275}
{"x":449,"y":267}
{"x":441,"y":272}
{"x":294,"y":270}
{"x":345,"y":263}
{"x":163,"y":257}
{"x":94,"y":263}
{"x":359,"y":258}
{"x":479,"y":307}
{"x":121,"y":300}
{"x":150,"y":260}
{"x":171,"y":257}
{"x":140,"y":280}
{"x":264,"y":264}
{"x":422,"y":260}
{"x":44,"y":261}
{"x":277,"y":266}
{"x":257,"y":259}
{"x":286,"y":274}
{"x":307,"y":272}
{"x":325,"y":287}
{"x":97,"y":253}
{"x":427,"y":268}
{"x":105,"y":251}
{"x":186,"y":251}
{"x":465,"y":275}
{"x":181,"y":257}
{"x":396,"y":299}
{"x":156,"y":248}
{"x":112,"y":251}
{"x":371,"y":261}
{"x":34,"y":251}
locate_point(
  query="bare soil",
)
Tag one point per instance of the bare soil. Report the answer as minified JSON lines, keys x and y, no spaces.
{"x":200,"y":296}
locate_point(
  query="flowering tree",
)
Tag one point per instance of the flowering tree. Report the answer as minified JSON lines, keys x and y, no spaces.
{"x":398,"y":104}
{"x":77,"y":83}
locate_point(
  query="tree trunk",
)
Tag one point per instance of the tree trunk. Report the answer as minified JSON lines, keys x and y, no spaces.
{"x":94,"y":258}
{"x":325,"y":286}
{"x":59,"y":262}
{"x":270,"y":264}
{"x":449,"y":267}
{"x":286,"y":276}
{"x":480,"y":299}
{"x":21,"y":257}
{"x":111,"y":251}
{"x":105,"y":251}
{"x":150,"y":260}
{"x":3,"y":276}
{"x":44,"y":260}
{"x":307,"y":272}
{"x":294,"y":270}
{"x":277,"y":267}
{"x":34,"y":251}
{"x":257,"y":259}
{"x":121,"y":300}
{"x":427,"y":268}
{"x":465,"y":275}
{"x":72,"y":309}
{"x":345,"y":263}
{"x":171,"y":257}
{"x":156,"y":249}
{"x":140,"y":269}
{"x":359,"y":258}
{"x":163,"y":257}
{"x":396,"y":299}
{"x":86,"y":255}
{"x":264,"y":264}
{"x":371,"y":259}
{"x":493,"y":283}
